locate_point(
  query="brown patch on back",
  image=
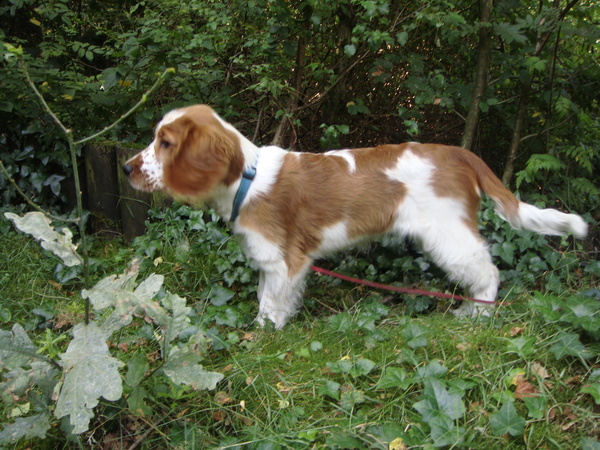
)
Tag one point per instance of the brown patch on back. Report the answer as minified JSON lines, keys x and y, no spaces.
{"x":460,"y":174}
{"x":201,"y":153}
{"x":315,"y":191}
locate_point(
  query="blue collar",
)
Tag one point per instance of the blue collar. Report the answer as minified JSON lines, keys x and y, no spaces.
{"x":247,"y":178}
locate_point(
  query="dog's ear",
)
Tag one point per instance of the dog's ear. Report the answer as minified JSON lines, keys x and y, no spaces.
{"x":197,"y":157}
{"x":171,"y":139}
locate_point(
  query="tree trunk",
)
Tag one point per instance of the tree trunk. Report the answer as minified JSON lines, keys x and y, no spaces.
{"x":334,"y":103}
{"x":481,"y":77}
{"x":296,"y":88}
{"x":542,"y":40}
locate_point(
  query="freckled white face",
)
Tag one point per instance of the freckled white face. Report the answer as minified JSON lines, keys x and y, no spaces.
{"x":152,"y":168}
{"x":149,"y":174}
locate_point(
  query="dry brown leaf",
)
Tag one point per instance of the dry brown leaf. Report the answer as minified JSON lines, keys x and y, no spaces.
{"x":222,"y":398}
{"x":524,"y":388}
{"x":515,"y":331}
{"x":539,"y":370}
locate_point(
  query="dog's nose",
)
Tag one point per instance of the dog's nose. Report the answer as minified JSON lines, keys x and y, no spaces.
{"x":127,"y":169}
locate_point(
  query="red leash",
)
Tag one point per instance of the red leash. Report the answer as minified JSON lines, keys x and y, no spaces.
{"x":387,"y":287}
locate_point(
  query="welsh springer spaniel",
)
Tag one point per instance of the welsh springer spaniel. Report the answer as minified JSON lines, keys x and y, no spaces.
{"x":288,"y":208}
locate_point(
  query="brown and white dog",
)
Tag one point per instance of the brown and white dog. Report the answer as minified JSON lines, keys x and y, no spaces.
{"x":289,"y":208}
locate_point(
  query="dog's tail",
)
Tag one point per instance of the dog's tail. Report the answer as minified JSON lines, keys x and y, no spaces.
{"x":521,"y":215}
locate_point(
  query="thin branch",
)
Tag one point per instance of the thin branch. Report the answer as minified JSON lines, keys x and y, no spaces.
{"x":143,"y":100}
{"x":40,"y":96}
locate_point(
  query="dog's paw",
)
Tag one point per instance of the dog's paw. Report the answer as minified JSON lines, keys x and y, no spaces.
{"x":268,"y":320}
{"x":472,"y":309}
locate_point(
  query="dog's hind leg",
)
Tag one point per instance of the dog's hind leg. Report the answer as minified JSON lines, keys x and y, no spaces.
{"x":279,"y":293}
{"x":457,"y":249}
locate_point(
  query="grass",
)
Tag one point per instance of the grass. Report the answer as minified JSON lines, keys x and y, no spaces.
{"x":352,"y":370}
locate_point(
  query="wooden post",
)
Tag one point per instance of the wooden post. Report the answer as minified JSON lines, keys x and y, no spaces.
{"x":114,"y":205}
{"x":133,"y":204}
{"x":102,"y":192}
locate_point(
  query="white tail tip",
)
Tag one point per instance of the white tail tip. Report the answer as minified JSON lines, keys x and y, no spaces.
{"x":550,"y":221}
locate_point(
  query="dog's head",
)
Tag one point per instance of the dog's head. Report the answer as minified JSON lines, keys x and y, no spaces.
{"x":192,"y":154}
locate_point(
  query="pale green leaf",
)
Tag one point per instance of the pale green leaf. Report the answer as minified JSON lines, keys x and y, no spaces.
{"x":16,"y":349}
{"x":193,"y":375}
{"x":89,"y":373}
{"x":25,"y":427}
{"x":108,"y":291}
{"x":178,"y":320}
{"x":38,"y":225}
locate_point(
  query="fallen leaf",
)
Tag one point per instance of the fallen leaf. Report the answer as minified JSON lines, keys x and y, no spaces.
{"x":283,"y":388}
{"x":525,"y":388}
{"x":249,"y":337}
{"x":222,"y":398}
{"x":569,"y":414}
{"x":219,"y":415}
{"x":397,"y":444}
{"x":515,"y":331}
{"x":539,"y":370}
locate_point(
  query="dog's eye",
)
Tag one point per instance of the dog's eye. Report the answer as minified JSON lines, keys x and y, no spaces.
{"x":165,"y":144}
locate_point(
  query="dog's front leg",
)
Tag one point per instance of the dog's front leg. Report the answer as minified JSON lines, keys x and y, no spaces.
{"x":278,"y":294}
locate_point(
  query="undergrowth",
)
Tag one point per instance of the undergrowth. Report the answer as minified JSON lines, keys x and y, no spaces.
{"x":356,"y":369}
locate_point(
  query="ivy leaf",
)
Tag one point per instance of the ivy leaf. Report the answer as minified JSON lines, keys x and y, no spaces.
{"x":330,"y":389}
{"x":362,"y":367}
{"x":38,"y":225}
{"x":507,"y":421}
{"x":395,"y":377}
{"x":341,"y":322}
{"x":594,"y":390}
{"x":351,"y":398}
{"x":439,"y":402}
{"x":89,"y":373}
{"x":431,"y":370}
{"x":343,"y":440}
{"x":568,"y":344}
{"x":25,"y":427}
{"x":341,"y":366}
{"x":506,"y":251}
{"x":522,"y":346}
{"x":355,"y":369}
{"x":536,"y":407}
{"x":415,"y":335}
{"x":440,"y":409}
{"x":220,"y":295}
{"x":582,"y":312}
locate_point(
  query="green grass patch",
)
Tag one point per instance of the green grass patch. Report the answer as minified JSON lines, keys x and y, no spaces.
{"x":355,"y":369}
